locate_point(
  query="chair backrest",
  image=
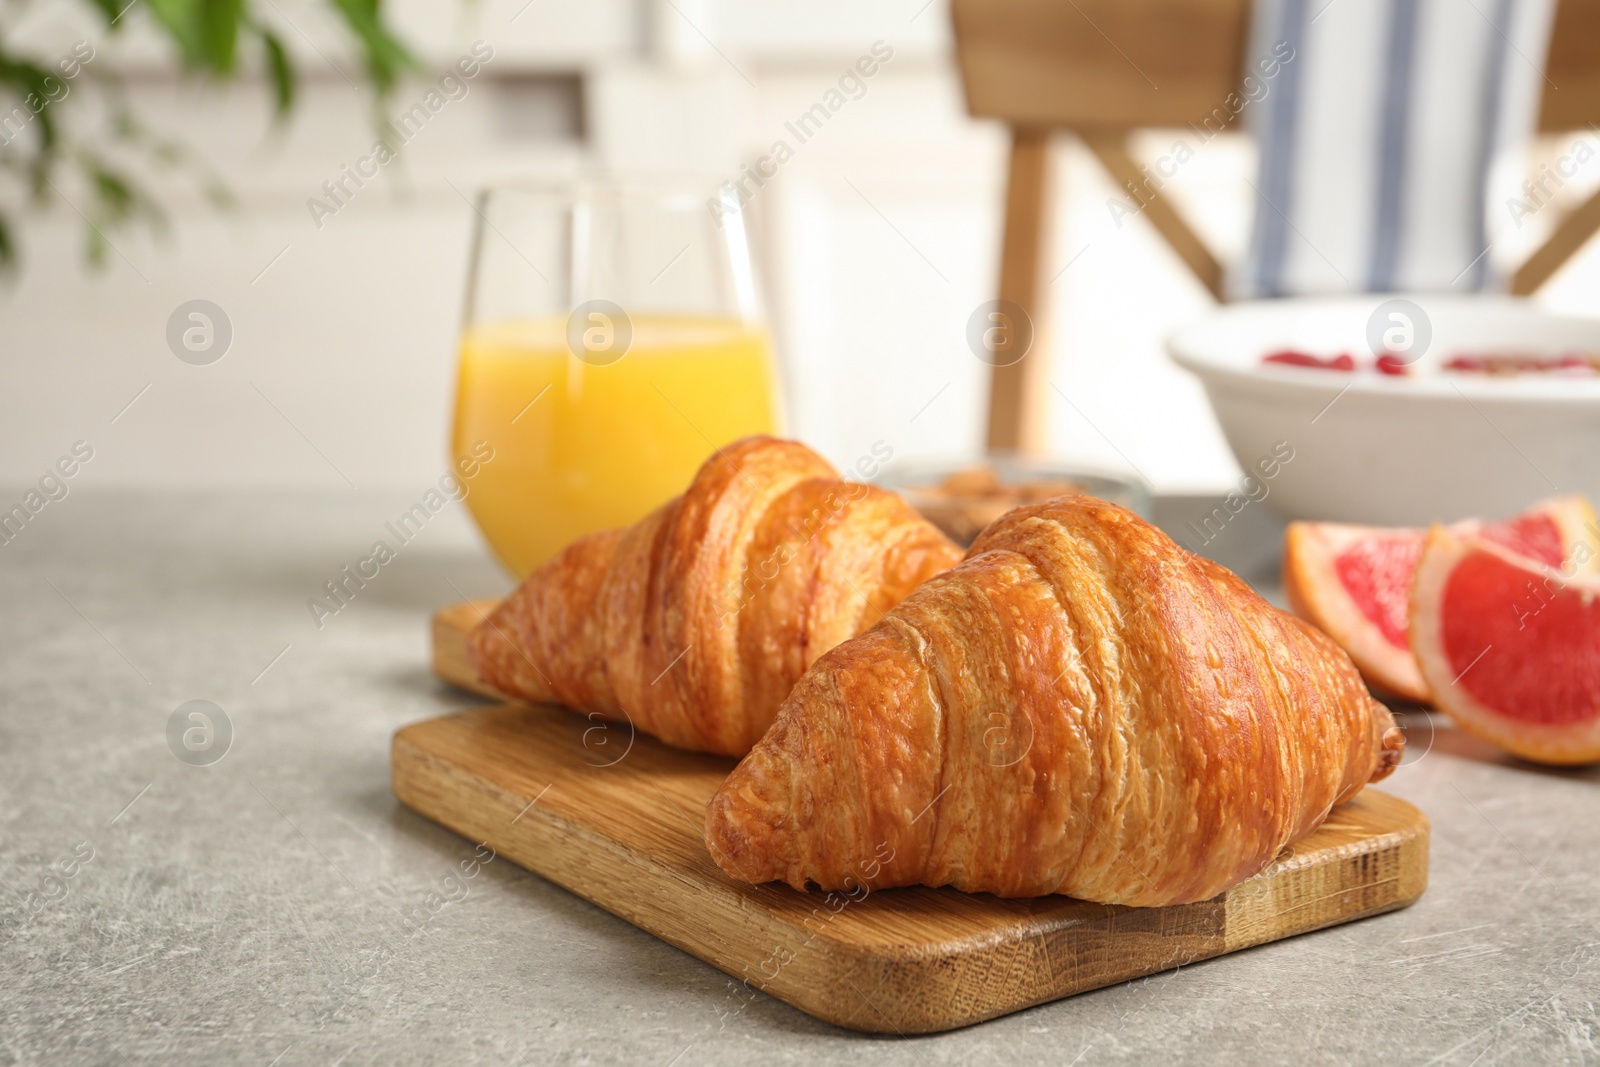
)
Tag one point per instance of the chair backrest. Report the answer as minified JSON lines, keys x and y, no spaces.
{"x":1101,"y":68}
{"x":1092,"y":64}
{"x":1572,"y":69}
{"x":1125,"y":64}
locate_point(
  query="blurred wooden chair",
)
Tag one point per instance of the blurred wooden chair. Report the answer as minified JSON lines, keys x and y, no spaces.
{"x":1086,"y":66}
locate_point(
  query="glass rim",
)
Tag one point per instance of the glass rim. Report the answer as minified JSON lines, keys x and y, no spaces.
{"x":592,"y":184}
{"x":586,"y":196}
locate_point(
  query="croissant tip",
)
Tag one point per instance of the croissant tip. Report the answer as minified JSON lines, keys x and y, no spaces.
{"x":725,"y":842}
{"x":499,"y":653}
{"x":1393,"y":748}
{"x":484,"y":638}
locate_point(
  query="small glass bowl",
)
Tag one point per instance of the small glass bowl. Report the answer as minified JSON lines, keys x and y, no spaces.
{"x":962,"y":496}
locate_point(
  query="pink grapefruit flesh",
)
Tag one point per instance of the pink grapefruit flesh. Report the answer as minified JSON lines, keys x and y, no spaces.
{"x":1376,"y":573}
{"x":1354,"y":582}
{"x":1509,"y":647}
{"x":1546,"y":534}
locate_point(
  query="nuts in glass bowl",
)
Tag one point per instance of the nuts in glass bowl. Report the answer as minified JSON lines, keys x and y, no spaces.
{"x":963,"y":498}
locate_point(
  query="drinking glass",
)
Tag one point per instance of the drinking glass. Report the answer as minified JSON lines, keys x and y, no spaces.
{"x":611,"y":342}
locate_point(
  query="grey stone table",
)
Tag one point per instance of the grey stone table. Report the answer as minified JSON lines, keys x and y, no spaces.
{"x":251,"y":911}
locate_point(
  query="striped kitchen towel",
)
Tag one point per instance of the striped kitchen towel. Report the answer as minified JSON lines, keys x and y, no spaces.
{"x":1381,"y":137}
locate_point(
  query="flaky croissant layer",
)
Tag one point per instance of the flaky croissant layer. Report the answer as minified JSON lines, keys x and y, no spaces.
{"x":1080,"y":707}
{"x":695,"y":622}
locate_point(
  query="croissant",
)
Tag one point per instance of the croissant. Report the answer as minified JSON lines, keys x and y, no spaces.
{"x":1079,"y":707}
{"x":694,"y":623}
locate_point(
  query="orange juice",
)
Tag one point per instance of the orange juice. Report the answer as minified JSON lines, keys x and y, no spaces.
{"x":580,"y":447}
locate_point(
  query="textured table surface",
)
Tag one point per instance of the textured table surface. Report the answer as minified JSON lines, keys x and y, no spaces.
{"x":278,"y":906}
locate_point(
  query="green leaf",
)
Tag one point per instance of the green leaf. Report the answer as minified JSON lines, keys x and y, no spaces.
{"x":205,"y":35}
{"x":218,"y":32}
{"x":113,"y":192}
{"x":180,"y":19}
{"x":280,"y":70}
{"x":219,"y":195}
{"x":387,"y":58}
{"x":31,"y":83}
{"x":96,"y":247}
{"x":117,"y":199}
{"x":205,"y":31}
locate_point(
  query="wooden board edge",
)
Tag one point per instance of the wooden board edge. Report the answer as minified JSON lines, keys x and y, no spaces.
{"x":810,"y":966}
{"x":1315,"y":900}
{"x":1404,"y":850}
{"x":809,"y":977}
{"x":452,"y":629}
{"x":554,"y":849}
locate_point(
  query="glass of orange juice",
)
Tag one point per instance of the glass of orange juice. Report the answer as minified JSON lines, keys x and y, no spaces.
{"x":611,"y":343}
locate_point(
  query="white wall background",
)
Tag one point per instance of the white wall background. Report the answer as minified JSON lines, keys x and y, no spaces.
{"x":878,"y":239}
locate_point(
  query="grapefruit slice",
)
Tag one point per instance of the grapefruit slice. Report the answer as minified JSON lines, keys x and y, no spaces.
{"x":1510,"y":648}
{"x":1354,"y":582}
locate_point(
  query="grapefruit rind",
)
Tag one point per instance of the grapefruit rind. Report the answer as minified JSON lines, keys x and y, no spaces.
{"x":1566,"y":744}
{"x":1575,"y":517}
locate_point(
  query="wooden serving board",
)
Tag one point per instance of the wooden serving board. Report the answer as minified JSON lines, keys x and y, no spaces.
{"x":618,"y":819}
{"x":450,"y":660}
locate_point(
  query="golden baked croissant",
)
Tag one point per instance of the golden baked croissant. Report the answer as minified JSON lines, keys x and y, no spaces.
{"x":1079,"y":707}
{"x":695,"y":622}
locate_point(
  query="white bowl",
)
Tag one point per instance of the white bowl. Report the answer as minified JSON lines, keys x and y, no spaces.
{"x":1370,"y":448}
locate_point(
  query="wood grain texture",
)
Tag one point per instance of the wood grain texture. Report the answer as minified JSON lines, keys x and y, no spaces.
{"x":1111,"y":149}
{"x":451,"y":659}
{"x":1105,"y":67}
{"x":1116,"y":64}
{"x":1017,"y":400}
{"x":618,"y":819}
{"x":1122,"y":64}
{"x":1571,"y":99}
{"x":1570,"y":235}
